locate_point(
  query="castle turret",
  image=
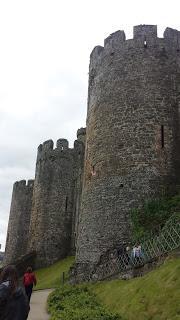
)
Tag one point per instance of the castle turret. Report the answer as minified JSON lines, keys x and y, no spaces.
{"x":51,"y":217}
{"x":54,"y":210}
{"x":81,"y":135}
{"x":19,"y":220}
{"x":132,"y":136}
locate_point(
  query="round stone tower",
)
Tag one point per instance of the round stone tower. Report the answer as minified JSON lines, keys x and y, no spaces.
{"x":19,"y":220}
{"x":132,"y":136}
{"x":51,"y":218}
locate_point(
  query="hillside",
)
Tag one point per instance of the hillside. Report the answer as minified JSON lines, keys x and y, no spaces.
{"x":51,"y":277}
{"x":153,"y":296}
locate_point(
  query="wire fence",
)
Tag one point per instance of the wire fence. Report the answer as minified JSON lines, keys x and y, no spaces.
{"x":153,"y":247}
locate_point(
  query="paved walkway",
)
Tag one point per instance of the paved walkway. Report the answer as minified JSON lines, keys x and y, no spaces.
{"x":38,"y":305}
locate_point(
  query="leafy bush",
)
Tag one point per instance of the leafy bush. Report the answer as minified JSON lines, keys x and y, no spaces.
{"x":77,"y":303}
{"x":153,"y":215}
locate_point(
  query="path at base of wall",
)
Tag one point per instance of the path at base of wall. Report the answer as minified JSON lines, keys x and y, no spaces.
{"x":38,"y":305}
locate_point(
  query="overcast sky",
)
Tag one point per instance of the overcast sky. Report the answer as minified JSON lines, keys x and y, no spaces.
{"x":44,"y":58}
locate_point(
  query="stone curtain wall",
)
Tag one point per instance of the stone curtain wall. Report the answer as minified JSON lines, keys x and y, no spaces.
{"x":19,"y":220}
{"x":132,"y":138}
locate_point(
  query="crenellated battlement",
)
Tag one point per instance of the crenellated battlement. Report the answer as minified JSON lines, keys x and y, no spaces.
{"x":144,"y":31}
{"x":81,"y":132}
{"x":144,"y":37}
{"x":23,"y":184}
{"x":81,"y":135}
{"x":78,"y":147}
{"x":172,"y":37}
{"x":48,"y":145}
{"x":62,"y":144}
{"x":46,"y":150}
{"x":30,"y":183}
{"x":114,"y":40}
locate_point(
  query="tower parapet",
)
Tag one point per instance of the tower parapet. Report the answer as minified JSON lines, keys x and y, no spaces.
{"x":114,"y":40}
{"x":19,"y":220}
{"x":144,"y":37}
{"x":62,"y":144}
{"x":47,"y":151}
{"x":144,"y":31}
{"x":81,"y":134}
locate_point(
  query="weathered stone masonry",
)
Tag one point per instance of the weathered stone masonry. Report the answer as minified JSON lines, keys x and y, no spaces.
{"x":19,"y":220}
{"x":54,"y":200}
{"x":132,"y":152}
{"x":132,"y":139}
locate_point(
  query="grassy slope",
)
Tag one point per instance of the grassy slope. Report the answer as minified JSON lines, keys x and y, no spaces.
{"x":155,"y":296}
{"x":51,"y":277}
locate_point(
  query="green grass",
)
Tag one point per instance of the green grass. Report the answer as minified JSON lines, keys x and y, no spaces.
{"x":155,"y":296}
{"x":51,"y":277}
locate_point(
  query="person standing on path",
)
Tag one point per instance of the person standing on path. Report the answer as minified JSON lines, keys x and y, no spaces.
{"x":13,"y":301}
{"x":29,"y":280}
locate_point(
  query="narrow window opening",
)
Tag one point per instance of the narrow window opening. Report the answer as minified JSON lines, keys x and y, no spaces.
{"x":7,"y":237}
{"x":93,"y":172}
{"x":66,"y":203}
{"x":162,"y":136}
{"x":145,"y":43}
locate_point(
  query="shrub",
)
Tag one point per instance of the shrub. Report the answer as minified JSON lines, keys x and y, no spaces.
{"x":153,"y":215}
{"x":77,"y":303}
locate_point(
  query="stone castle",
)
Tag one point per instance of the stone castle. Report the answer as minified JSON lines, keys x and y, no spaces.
{"x":81,"y":198}
{"x":44,"y":212}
